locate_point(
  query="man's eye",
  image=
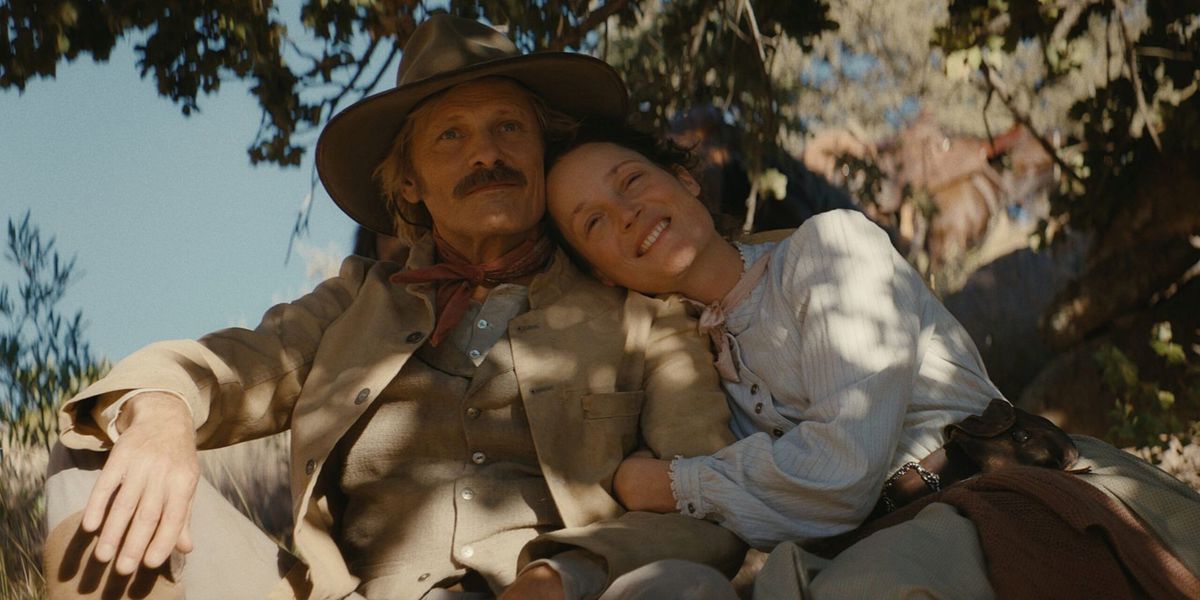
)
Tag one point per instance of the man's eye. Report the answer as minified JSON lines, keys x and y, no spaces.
{"x":449,"y":134}
{"x":510,"y":126}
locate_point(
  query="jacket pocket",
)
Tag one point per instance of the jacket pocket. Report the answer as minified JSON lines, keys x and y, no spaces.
{"x":611,"y":405}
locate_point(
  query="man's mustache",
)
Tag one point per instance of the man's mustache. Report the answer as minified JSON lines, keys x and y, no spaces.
{"x":485,"y":177}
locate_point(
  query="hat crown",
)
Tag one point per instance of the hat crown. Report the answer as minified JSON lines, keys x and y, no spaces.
{"x":446,"y":43}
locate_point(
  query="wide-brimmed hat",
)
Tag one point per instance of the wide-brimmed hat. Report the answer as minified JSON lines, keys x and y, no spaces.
{"x":443,"y":52}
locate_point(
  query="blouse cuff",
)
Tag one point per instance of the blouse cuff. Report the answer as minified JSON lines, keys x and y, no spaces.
{"x":685,"y":485}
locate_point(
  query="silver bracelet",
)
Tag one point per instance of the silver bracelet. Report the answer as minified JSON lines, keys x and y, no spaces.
{"x":931,"y":479}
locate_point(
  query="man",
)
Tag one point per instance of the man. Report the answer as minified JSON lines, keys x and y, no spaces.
{"x":456,"y":422}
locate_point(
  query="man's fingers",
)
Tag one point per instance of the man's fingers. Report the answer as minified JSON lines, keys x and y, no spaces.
{"x":172,"y":528}
{"x":102,"y":494}
{"x":119,"y":515}
{"x":184,"y":544}
{"x":142,"y":527}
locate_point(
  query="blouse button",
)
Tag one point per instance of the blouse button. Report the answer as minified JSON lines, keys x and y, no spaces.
{"x":362,"y":396}
{"x":473,"y":413}
{"x":478,"y":458}
{"x":754,"y":389}
{"x":691,"y":507}
{"x":778,"y":432}
{"x":423,"y":577}
{"x":310,"y":466}
{"x":758,"y":408}
{"x":473,"y":354}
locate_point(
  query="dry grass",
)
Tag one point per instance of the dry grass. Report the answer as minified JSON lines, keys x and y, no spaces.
{"x":22,"y":511}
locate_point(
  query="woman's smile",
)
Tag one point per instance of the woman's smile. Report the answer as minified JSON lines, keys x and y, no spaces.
{"x":652,"y":237}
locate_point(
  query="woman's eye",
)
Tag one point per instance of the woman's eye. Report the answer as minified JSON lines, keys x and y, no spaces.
{"x":449,"y":134}
{"x":631,"y":179}
{"x":591,"y":223}
{"x":510,"y":126}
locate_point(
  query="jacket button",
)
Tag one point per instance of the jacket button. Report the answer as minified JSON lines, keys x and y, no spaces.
{"x":423,"y":577}
{"x":473,"y":413}
{"x":414,"y":337}
{"x":778,"y":432}
{"x":467,"y":552}
{"x":754,"y":389}
{"x":362,"y":396}
{"x":310,"y":466}
{"x":758,"y":408}
{"x":467,"y":494}
{"x":478,"y":458}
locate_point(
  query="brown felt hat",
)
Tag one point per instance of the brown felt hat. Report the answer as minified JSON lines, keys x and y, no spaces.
{"x":443,"y":52}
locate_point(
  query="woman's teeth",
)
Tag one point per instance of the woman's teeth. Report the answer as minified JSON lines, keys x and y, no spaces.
{"x":653,"y":237}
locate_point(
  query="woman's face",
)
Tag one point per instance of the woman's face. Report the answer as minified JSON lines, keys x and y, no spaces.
{"x":638,"y":225}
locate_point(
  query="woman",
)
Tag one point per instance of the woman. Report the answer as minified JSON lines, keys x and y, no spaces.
{"x":840,"y":364}
{"x":842,"y":369}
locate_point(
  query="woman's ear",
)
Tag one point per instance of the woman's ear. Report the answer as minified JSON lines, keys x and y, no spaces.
{"x":602,"y":278}
{"x":689,"y":182}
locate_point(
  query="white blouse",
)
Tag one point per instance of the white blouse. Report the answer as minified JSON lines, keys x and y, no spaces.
{"x":849,"y":367}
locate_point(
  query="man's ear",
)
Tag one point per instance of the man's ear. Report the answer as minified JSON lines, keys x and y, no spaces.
{"x":411,"y":191}
{"x":687,"y":180}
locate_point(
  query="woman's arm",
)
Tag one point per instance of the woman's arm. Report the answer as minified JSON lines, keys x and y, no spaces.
{"x":643,"y":482}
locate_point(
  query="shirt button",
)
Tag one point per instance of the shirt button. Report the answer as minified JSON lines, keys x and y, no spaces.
{"x":778,"y":432}
{"x":467,"y":494}
{"x":310,"y":466}
{"x":482,"y":324}
{"x":473,"y":413}
{"x":362,"y":396}
{"x":414,"y":337}
{"x":423,"y":577}
{"x":691,"y":507}
{"x":467,"y":552}
{"x":754,"y":388}
{"x":473,"y":354}
{"x":758,"y":408}
{"x":478,"y":458}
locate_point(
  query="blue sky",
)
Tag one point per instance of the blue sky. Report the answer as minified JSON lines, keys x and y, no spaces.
{"x":175,"y":233}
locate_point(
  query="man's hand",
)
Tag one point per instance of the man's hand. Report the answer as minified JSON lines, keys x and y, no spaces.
{"x":149,"y":479}
{"x":539,"y":583}
{"x":643,"y":482}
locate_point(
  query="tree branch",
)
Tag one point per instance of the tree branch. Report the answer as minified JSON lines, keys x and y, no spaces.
{"x":997,"y":85}
{"x":593,"y":20}
{"x":1131,"y":62}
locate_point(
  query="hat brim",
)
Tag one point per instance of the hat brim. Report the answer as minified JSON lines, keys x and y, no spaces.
{"x":357,"y":139}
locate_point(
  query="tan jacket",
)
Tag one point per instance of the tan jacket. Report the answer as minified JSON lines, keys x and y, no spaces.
{"x":596,"y":367}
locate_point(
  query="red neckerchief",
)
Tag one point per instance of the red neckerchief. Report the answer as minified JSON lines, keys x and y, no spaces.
{"x":457,"y":278}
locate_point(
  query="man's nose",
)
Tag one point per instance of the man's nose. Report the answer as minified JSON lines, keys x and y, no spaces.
{"x":485,"y":151}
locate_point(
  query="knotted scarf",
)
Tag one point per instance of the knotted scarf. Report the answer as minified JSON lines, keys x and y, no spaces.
{"x":457,"y":278}
{"x":712,"y":317}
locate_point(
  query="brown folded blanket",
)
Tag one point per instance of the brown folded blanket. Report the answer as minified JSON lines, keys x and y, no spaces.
{"x":1048,"y":534}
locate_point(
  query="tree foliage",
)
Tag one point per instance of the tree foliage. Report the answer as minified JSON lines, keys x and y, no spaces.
{"x":43,"y":356}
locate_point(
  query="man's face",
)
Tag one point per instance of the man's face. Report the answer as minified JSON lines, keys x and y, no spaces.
{"x":477,"y":165}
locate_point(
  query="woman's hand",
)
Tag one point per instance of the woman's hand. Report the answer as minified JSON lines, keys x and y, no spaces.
{"x":642,"y":482}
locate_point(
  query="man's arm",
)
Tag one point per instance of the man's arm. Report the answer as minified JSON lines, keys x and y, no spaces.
{"x":146,"y":485}
{"x":236,"y":384}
